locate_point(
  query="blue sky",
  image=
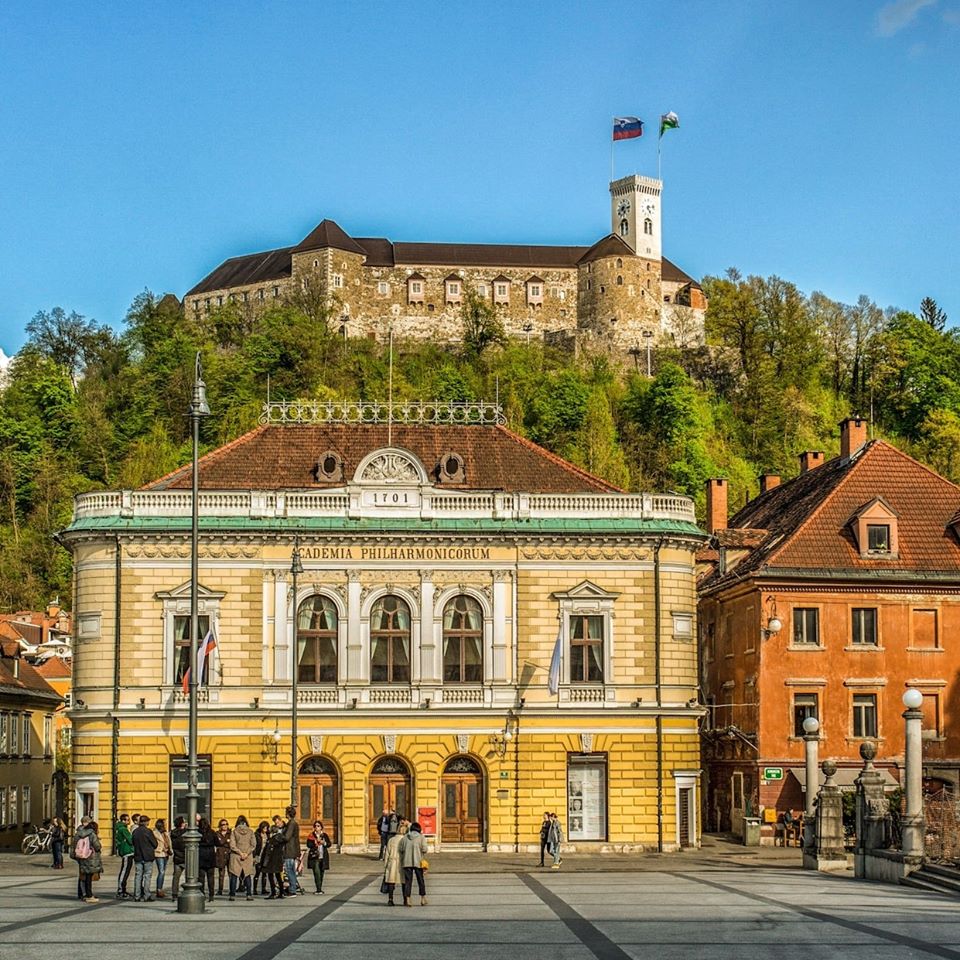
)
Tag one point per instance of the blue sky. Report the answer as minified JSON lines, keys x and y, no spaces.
{"x":144,"y":143}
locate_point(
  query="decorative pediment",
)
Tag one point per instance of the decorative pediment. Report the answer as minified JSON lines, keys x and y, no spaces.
{"x":183,"y":593}
{"x":875,"y":509}
{"x":390,"y":465}
{"x":585,"y":590}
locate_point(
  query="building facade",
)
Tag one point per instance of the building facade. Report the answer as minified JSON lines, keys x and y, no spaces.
{"x":616,"y":291}
{"x":443,"y":566}
{"x":27,"y":745}
{"x":828,"y":596}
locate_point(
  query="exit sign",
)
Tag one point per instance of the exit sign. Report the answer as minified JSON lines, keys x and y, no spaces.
{"x":773,"y":773}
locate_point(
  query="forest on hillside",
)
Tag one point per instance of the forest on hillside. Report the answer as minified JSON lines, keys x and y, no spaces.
{"x":84,"y":407}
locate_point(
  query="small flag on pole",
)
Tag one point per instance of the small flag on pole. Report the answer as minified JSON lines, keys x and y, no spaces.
{"x":553,"y":683}
{"x":626,"y":128}
{"x":669,"y":121}
{"x":207,"y":646}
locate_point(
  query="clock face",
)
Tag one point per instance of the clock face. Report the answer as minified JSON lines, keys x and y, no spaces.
{"x":649,"y":207}
{"x":624,"y":208}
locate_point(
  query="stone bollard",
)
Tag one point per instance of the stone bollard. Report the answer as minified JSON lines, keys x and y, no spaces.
{"x":873,"y":811}
{"x":912,"y":823}
{"x":828,"y":852}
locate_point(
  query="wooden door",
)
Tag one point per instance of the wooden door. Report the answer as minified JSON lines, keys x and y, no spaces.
{"x":461,"y":801}
{"x":389,"y":787}
{"x":319,"y":797}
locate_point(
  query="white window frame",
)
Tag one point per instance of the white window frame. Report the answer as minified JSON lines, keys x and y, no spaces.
{"x":15,"y":734}
{"x":365,"y":610}
{"x":586,"y":599}
{"x":482,"y":290}
{"x":3,"y":807}
{"x":26,"y":738}
{"x":4,"y":728}
{"x":440,"y":602}
{"x":12,"y":808}
{"x":338,"y":281}
{"x":343,"y":621}
{"x":26,"y":800}
{"x":586,"y":761}
{"x":176,"y":603}
{"x":47,"y":735}
{"x":87,"y":784}
{"x":688,"y":780}
{"x":416,"y":286}
{"x":383,"y":288}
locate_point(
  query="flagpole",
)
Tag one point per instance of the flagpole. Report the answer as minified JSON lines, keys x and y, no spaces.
{"x":613,"y":120}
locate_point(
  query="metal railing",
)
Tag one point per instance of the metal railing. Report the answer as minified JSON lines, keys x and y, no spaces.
{"x":413,"y":413}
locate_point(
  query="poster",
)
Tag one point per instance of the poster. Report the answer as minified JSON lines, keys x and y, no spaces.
{"x":587,"y":798}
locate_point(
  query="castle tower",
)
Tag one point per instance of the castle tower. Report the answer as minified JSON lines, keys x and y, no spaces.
{"x":635,"y":214}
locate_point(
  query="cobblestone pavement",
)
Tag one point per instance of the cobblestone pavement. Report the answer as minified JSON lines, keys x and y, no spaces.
{"x":719,"y":903}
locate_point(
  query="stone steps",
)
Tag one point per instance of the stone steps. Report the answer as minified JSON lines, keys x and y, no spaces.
{"x":935,"y":879}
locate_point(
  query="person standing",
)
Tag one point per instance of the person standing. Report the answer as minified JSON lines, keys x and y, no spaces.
{"x":164,"y":850}
{"x":123,"y":848}
{"x":318,"y":854}
{"x":144,"y":855}
{"x":259,"y":851}
{"x":58,"y":835}
{"x":544,"y":835}
{"x":392,"y":870}
{"x":291,"y":849}
{"x":86,"y":851}
{"x":272,"y":859}
{"x":413,"y":852}
{"x":243,"y":843}
{"x":383,"y":828}
{"x":222,"y":853}
{"x":179,"y":849}
{"x":555,"y":838}
{"x":208,"y":856}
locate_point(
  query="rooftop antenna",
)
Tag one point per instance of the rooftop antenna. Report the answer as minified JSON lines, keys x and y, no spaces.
{"x":390,"y":395}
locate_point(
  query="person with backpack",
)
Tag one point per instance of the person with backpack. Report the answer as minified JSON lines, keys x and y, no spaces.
{"x":144,"y":854}
{"x":86,"y":851}
{"x":123,"y":848}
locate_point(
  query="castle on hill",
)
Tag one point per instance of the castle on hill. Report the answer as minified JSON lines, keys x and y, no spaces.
{"x":620,"y":292}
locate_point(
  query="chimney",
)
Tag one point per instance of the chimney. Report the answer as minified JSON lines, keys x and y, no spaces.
{"x":853,"y":435}
{"x":768,"y":481}
{"x":810,"y":459}
{"x":716,"y":505}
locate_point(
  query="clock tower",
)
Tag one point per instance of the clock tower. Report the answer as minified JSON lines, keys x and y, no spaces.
{"x":635,"y":214}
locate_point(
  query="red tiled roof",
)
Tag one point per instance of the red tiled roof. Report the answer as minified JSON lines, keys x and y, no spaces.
{"x":26,"y":680}
{"x":278,"y":457}
{"x":807,"y":519}
{"x":54,"y":668}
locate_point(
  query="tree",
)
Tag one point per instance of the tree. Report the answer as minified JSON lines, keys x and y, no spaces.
{"x":481,"y":325}
{"x":69,"y":340}
{"x":931,"y":313}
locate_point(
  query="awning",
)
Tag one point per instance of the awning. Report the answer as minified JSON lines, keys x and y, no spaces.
{"x":844,"y":777}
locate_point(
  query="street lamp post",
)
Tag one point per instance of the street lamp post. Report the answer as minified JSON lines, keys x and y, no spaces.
{"x":191,"y":894}
{"x":811,"y":749}
{"x":296,"y":568}
{"x":648,"y":337}
{"x":913,"y":821}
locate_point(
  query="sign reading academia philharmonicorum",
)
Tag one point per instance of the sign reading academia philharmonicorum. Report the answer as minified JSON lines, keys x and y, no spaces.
{"x":433,"y":554}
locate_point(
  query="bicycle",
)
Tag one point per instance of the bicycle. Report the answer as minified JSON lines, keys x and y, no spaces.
{"x":37,"y":840}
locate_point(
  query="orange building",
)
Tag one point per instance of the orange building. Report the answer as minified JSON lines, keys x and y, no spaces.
{"x":58,"y":672}
{"x":828,"y":595}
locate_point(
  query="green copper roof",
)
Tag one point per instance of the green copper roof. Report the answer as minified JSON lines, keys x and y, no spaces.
{"x":613,"y":525}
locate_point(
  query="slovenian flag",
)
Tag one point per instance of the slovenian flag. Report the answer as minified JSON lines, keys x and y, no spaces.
{"x":626,"y":128}
{"x":553,"y":679}
{"x":669,"y":121}
{"x":207,"y":646}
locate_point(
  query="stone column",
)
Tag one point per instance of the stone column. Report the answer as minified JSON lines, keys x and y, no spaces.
{"x":829,"y":852}
{"x":913,"y":826}
{"x":428,"y":639}
{"x":811,"y":750}
{"x":873,"y":811}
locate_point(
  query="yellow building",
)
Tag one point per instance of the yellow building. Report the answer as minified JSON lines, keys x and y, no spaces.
{"x":443,"y":565}
{"x":27,"y":705}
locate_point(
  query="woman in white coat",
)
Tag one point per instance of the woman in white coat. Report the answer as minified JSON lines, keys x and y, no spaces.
{"x":392,"y":868}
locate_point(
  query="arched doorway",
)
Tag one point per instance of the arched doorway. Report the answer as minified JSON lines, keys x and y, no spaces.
{"x":319,"y":796}
{"x":461,"y":797}
{"x":389,"y":787}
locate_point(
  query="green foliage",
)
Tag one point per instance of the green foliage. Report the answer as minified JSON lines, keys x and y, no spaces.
{"x":84,"y":408}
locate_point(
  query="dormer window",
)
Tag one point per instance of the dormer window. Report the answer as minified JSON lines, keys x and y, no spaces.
{"x":874,"y":527}
{"x":878,"y":537}
{"x":535,"y":292}
{"x":453,"y":288}
{"x":501,"y":290}
{"x":415,"y":288}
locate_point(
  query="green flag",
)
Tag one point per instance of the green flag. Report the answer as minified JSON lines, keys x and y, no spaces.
{"x":669,"y":121}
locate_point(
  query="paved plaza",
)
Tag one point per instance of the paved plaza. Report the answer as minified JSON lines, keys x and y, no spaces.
{"x":701,"y":906}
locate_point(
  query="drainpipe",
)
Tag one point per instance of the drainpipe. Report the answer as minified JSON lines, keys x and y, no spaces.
{"x":115,"y":735}
{"x":657,"y":631}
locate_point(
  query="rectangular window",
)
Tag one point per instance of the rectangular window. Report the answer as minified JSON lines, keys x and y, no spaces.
{"x":337,"y":281}
{"x":47,"y":811}
{"x":47,"y":736}
{"x":12,"y":806}
{"x":931,"y":716}
{"x":220,"y":301}
{"x":453,"y":289}
{"x":245,"y":296}
{"x":878,"y":537}
{"x":501,"y":289}
{"x":925,"y":634}
{"x":804,"y":705}
{"x":3,"y":806}
{"x":865,"y":626}
{"x":260,"y":294}
{"x":806,"y":626}
{"x":534,"y":289}
{"x":482,"y":290}
{"x":25,"y":745}
{"x":383,"y":288}
{"x":15,"y":734}
{"x":179,"y":784}
{"x":416,"y":286}
{"x":586,"y":649}
{"x":181,"y":647}
{"x":276,"y":292}
{"x":25,"y":804}
{"x":865,"y":715}
{"x":4,"y":744}
{"x":587,"y":797}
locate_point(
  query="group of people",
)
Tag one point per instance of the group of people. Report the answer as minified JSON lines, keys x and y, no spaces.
{"x":238,"y":856}
{"x":403,"y":847}
{"x":551,"y":839}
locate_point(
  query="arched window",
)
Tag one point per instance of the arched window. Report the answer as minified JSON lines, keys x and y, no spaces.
{"x":619,"y":281}
{"x":648,"y":226}
{"x":619,"y":263}
{"x":317,"y":641}
{"x":390,"y":641}
{"x":624,"y":228}
{"x":462,"y":641}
